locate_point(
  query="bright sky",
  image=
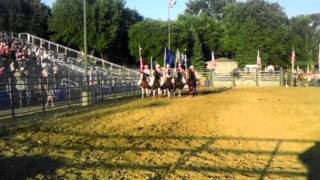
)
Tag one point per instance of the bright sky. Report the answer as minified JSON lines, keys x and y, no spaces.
{"x":158,"y":9}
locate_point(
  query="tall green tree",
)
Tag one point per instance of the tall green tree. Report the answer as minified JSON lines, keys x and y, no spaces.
{"x":253,"y":25}
{"x":24,"y":16}
{"x":151,"y":35}
{"x":213,"y":8}
{"x":305,"y":33}
{"x":197,"y":56}
{"x":108,"y":23}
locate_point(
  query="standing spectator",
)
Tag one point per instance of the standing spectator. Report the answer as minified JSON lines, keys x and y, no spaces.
{"x":55,"y":69}
{"x":45,"y":75}
{"x":50,"y":95}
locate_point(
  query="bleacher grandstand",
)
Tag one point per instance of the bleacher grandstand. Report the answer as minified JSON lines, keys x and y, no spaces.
{"x":32,"y":69}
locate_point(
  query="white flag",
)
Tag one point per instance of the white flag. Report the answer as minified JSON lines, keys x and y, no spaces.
{"x":319,"y":59}
{"x":258,"y":59}
{"x":213,"y":58}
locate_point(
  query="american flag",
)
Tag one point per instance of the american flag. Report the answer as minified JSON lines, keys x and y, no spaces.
{"x":293,"y":56}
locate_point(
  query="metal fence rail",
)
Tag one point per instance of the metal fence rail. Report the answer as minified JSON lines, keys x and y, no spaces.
{"x":243,"y":78}
{"x":73,"y":57}
{"x":33,"y":94}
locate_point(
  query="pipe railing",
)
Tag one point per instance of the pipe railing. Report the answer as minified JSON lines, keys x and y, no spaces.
{"x":54,"y":47}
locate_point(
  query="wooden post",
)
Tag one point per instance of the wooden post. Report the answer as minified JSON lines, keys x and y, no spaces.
{"x":257,"y":78}
{"x":281,"y":77}
{"x":234,"y":78}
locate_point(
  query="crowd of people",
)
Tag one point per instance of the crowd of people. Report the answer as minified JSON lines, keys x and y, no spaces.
{"x":304,"y":78}
{"x":24,"y":65}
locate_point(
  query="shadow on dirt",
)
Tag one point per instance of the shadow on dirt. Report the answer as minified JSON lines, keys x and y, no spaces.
{"x":146,"y":144}
{"x":24,"y":167}
{"x":311,"y":158}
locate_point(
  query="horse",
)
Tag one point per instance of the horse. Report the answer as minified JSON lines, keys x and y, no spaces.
{"x":168,"y":85}
{"x":192,"y":83}
{"x":179,"y":83}
{"x":156,"y":83}
{"x":302,"y":79}
{"x":144,"y":85}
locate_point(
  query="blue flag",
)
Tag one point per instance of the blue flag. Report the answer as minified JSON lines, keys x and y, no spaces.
{"x":170,"y":57}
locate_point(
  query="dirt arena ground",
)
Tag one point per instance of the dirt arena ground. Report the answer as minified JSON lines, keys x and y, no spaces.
{"x":265,"y":133}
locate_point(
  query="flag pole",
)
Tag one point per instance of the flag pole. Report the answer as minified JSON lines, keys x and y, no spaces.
{"x":293,"y":59}
{"x":140,"y":56}
{"x":151,"y":68}
{"x":319,"y":59}
{"x":164,"y":58}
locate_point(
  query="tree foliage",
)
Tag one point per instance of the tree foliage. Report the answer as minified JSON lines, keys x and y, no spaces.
{"x":305,"y":32}
{"x":233,"y":29}
{"x":214,"y":8}
{"x":108,"y":23}
{"x":24,"y":16}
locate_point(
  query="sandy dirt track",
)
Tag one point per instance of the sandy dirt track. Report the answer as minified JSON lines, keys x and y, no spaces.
{"x":259,"y":133}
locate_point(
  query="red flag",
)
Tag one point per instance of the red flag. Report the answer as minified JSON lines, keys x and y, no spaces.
{"x":293,"y":56}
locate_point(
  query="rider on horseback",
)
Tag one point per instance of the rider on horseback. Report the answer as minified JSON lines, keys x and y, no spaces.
{"x":192,"y":81}
{"x":192,"y":74}
{"x":146,"y":73}
{"x":157,"y":73}
{"x":167,"y":72}
{"x":180,"y":72}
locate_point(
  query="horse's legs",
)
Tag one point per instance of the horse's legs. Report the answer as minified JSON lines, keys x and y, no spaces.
{"x":148,"y":92}
{"x":159,"y":92}
{"x":154,"y":93}
{"x":179,"y":93}
{"x":142,"y":93}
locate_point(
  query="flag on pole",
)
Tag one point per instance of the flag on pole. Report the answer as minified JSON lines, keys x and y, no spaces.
{"x":293,"y":56}
{"x":151,"y":66}
{"x":213,"y":60}
{"x":140,"y":56}
{"x":172,"y":3}
{"x":164,"y":57}
{"x":177,"y":58}
{"x":185,"y":61}
{"x":259,"y":59}
{"x":169,"y":57}
{"x":319,"y":59}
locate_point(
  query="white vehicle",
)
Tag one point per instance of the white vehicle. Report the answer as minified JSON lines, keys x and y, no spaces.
{"x":251,"y":68}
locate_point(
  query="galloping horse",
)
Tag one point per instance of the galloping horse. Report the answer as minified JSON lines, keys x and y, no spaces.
{"x":156,"y":83}
{"x":145,"y":86}
{"x":169,"y":85}
{"x":179,"y":83}
{"x":192,"y":82}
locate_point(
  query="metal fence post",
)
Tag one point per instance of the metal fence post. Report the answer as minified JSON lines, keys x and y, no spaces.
{"x":212,"y":78}
{"x":113,"y":88}
{"x":68,"y":89}
{"x":134,"y":88}
{"x":11,"y":86}
{"x":234,"y":78}
{"x":101,"y":88}
{"x":43,"y":95}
